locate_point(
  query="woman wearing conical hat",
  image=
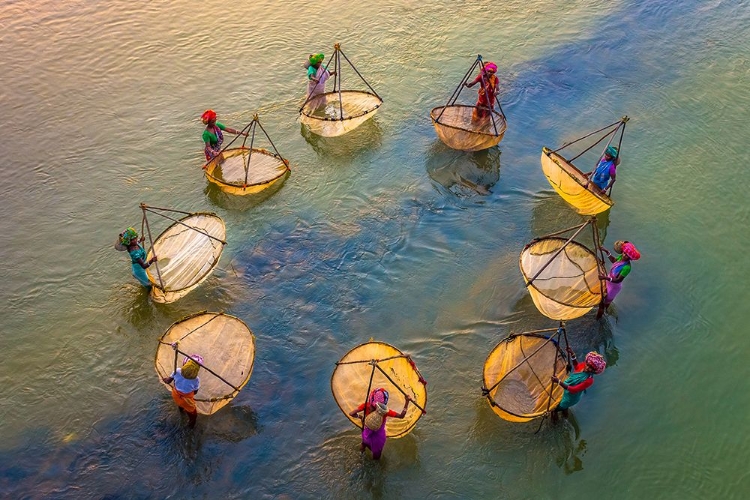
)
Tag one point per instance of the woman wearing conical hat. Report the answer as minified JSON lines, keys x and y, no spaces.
{"x":376,"y":412}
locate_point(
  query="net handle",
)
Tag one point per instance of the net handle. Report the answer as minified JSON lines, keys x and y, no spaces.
{"x":175,"y":346}
{"x":625,"y":120}
{"x":151,"y":241}
{"x":587,"y":136}
{"x":546,"y":264}
{"x":454,"y":96}
{"x":146,"y":208}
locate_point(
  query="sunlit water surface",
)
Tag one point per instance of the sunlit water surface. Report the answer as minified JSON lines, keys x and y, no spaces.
{"x":374,"y":234}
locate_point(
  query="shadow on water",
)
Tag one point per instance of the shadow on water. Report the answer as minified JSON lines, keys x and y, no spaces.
{"x":102,"y":465}
{"x":366,"y":137}
{"x":226,"y":201}
{"x":461,"y":173}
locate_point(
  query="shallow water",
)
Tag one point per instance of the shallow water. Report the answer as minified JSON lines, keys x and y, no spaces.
{"x":374,"y":234}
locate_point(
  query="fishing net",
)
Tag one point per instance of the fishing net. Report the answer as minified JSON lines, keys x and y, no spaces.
{"x":571,"y":183}
{"x":187,"y":252}
{"x":517,"y":376}
{"x":379,"y":365}
{"x":335,"y":113}
{"x":573,"y":186}
{"x":562,"y":276}
{"x":456,"y":128}
{"x":247,"y":170}
{"x":227,"y":347}
{"x":469,"y":127}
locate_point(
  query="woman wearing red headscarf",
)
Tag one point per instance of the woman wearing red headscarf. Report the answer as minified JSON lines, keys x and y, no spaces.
{"x":212,"y":136}
{"x":617,"y":273}
{"x":487,"y":91}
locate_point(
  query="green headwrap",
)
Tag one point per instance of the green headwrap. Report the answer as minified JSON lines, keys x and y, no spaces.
{"x":128,"y":235}
{"x":317,"y":58}
{"x":612,"y":151}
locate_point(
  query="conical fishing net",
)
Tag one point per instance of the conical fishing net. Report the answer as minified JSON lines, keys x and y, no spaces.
{"x":517,"y":376}
{"x":336,"y":113}
{"x":247,"y":170}
{"x":187,"y":252}
{"x":379,"y":365}
{"x":456,"y":128}
{"x":571,"y":183}
{"x":227,"y":347}
{"x":572,"y":186}
{"x":562,"y":276}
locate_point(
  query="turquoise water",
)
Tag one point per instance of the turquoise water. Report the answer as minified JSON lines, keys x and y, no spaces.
{"x":370,"y":236}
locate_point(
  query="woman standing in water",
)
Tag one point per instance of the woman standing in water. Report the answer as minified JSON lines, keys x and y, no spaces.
{"x":375,"y":414}
{"x":487,"y":91}
{"x":186,"y":385}
{"x":213,"y":136}
{"x":577,"y":382}
{"x":620,"y":269}
{"x":128,"y":240}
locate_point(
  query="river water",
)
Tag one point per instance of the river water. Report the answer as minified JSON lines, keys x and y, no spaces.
{"x":371,"y":236}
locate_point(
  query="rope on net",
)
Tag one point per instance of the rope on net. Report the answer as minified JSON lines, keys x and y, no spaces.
{"x":549,"y":261}
{"x":175,"y":346}
{"x":374,"y":363}
{"x":486,"y":390}
{"x":156,"y":210}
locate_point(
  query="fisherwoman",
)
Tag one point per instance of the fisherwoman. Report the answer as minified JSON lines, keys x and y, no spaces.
{"x":186,"y":385}
{"x":317,"y":75}
{"x":577,"y":382}
{"x":620,"y":269}
{"x":213,"y":136}
{"x":128,"y":240}
{"x":376,"y":412}
{"x":487,"y":91}
{"x":605,"y":173}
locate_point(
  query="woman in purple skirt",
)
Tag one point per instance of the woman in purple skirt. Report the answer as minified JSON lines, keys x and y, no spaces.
{"x":376,"y":412}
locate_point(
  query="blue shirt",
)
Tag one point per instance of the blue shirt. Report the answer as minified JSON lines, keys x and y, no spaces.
{"x":185,"y":385}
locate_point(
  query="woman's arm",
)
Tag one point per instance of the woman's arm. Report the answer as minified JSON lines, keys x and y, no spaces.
{"x":609,"y":255}
{"x":476,"y":80}
{"x":145,"y":265}
{"x":578,"y":387}
{"x":406,"y":405}
{"x":359,"y":409}
{"x":167,"y":380}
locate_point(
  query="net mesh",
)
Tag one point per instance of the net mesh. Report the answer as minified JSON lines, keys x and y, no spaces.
{"x":570,"y":184}
{"x":188,"y":251}
{"x":228,"y":349}
{"x":518,"y":372}
{"x":262,"y":167}
{"x":351,"y":379}
{"x":569,"y":286}
{"x":322,"y":114}
{"x":458,"y":130}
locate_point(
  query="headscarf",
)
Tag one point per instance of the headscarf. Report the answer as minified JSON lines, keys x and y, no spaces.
{"x":190,"y":367}
{"x":317,"y":58}
{"x":596,"y":362}
{"x":629,"y":250}
{"x":611,"y":151}
{"x":379,"y":395}
{"x":618,"y":245}
{"x":209,"y":115}
{"x":490,"y":66}
{"x":128,"y":235}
